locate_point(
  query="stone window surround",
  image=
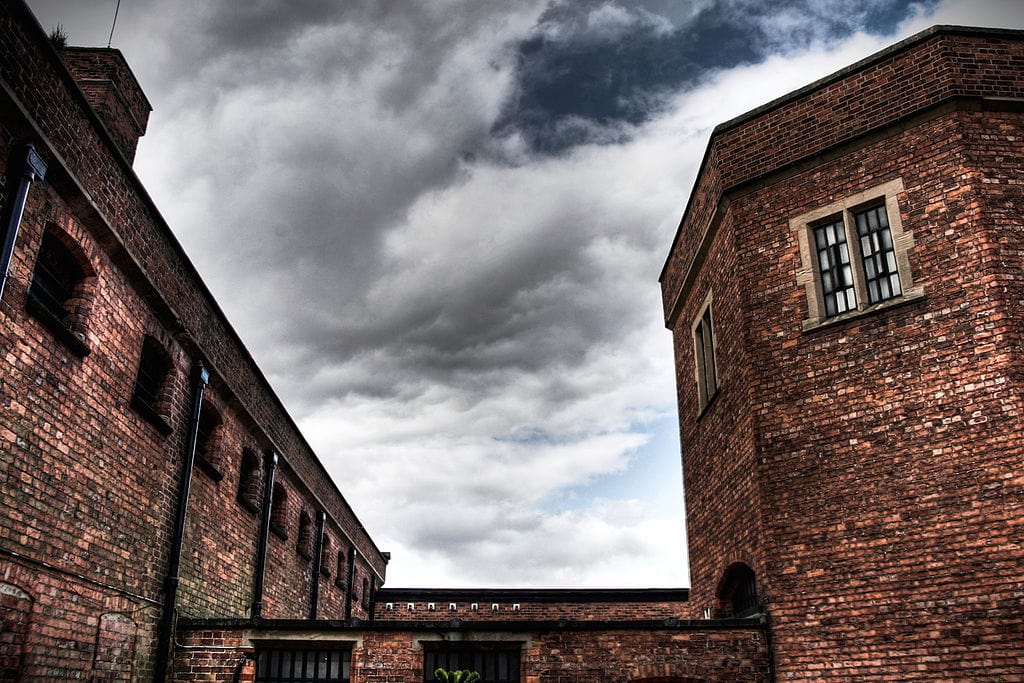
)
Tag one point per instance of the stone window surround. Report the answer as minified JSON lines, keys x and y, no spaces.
{"x":809,"y":277}
{"x":704,"y":395}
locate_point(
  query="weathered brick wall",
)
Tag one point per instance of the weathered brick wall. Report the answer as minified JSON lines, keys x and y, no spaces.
{"x":120,"y":215}
{"x":88,"y":483}
{"x":111,"y":88}
{"x":886,"y":448}
{"x":687,"y":652}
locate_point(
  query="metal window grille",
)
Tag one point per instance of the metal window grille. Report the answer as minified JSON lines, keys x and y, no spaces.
{"x":303,"y":665}
{"x":878,"y":254}
{"x":153,"y":369}
{"x":744,"y":595}
{"x":55,"y":276}
{"x":495,"y":665}
{"x":707,"y":377}
{"x":834,"y":265}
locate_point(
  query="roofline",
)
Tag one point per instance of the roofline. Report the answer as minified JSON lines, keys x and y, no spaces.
{"x":533,"y":595}
{"x":779,"y":102}
{"x":757,"y":622}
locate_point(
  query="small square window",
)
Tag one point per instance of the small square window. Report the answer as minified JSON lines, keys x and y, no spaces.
{"x":704,"y":347}
{"x":855,"y":256}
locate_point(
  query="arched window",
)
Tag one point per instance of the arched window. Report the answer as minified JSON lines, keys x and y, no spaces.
{"x":249,"y":481}
{"x":279,"y":511}
{"x":59,"y":296}
{"x":149,"y":397}
{"x":304,"y":542}
{"x":738,"y":592}
{"x":208,"y":441}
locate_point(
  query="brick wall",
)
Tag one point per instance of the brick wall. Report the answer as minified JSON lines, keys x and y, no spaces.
{"x":869,"y":470}
{"x":88,"y":481}
{"x":702,"y":651}
{"x":488,"y":605}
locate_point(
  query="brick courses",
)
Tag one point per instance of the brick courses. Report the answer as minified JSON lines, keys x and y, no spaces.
{"x":869,"y":471}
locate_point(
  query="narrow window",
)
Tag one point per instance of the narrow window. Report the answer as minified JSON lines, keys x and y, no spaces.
{"x":704,"y":356}
{"x":208,"y":441}
{"x":878,"y":254}
{"x":303,"y":665}
{"x":365,"y":602}
{"x":279,"y":511}
{"x":249,"y":487}
{"x":304,"y":542}
{"x":339,"y":569}
{"x":149,"y":394}
{"x":57,"y":296}
{"x":325,"y":553}
{"x":834,"y":265}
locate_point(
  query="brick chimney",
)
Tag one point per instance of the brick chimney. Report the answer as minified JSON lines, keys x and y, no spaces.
{"x":110,"y":86}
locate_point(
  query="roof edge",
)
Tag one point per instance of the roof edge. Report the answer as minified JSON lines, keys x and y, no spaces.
{"x":884,"y":53}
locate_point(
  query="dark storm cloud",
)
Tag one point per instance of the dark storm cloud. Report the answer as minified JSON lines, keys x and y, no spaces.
{"x":591,"y":66}
{"x":438,"y":226}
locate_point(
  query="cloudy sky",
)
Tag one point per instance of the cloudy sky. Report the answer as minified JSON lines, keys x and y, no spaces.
{"x":439,"y":224}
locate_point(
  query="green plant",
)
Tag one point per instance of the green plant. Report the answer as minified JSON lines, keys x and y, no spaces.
{"x":59,"y":38}
{"x":463,"y":676}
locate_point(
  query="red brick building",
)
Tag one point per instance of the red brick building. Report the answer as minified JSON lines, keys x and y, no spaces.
{"x":846,"y":296}
{"x":161,"y":516}
{"x":853,"y":463}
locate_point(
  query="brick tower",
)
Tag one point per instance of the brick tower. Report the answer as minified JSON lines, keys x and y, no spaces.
{"x":846,"y":295}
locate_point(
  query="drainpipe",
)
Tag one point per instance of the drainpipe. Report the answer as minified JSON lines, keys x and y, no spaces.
{"x":269,"y":468}
{"x":165,"y":630}
{"x":352,"y":554}
{"x":318,"y":556}
{"x":32,"y":168}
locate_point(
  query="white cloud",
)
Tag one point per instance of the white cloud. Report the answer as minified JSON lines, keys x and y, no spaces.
{"x":470,"y":345}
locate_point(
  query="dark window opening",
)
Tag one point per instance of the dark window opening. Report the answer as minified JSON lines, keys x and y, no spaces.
{"x":249,"y":484}
{"x":279,"y":511}
{"x":207,"y":441}
{"x":56,"y":296}
{"x":325,"y":553}
{"x":365,"y":601}
{"x":304,"y":543}
{"x":148,"y":396}
{"x":339,"y":570}
{"x":739,"y":594}
{"x":303,"y":665}
{"x":495,"y":664}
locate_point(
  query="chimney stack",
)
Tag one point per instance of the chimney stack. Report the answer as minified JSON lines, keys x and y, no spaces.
{"x":110,"y":86}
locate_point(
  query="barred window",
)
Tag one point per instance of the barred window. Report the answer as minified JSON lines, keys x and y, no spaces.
{"x":494,"y":663}
{"x":61,"y":291}
{"x":306,"y":665}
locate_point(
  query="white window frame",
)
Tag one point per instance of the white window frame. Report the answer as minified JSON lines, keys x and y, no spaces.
{"x":809,"y":275}
{"x":702,"y":365}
